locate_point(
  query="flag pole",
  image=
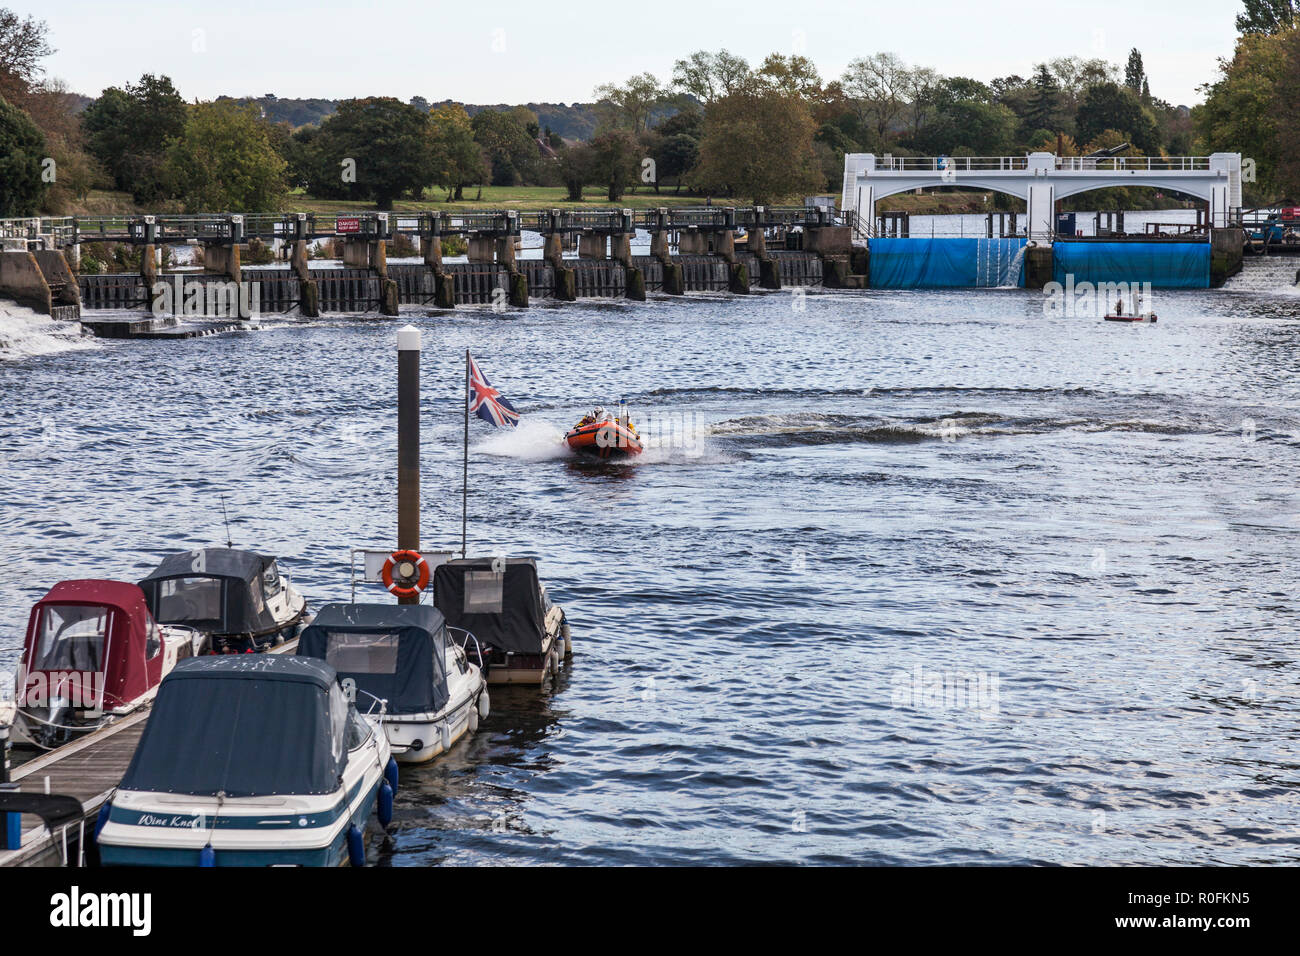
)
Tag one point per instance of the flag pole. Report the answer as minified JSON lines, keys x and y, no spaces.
{"x":464,"y":488}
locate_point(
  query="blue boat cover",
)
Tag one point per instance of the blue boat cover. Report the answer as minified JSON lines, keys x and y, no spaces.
{"x":393,"y":652}
{"x":1166,"y":265}
{"x":246,"y":725}
{"x":946,"y":263}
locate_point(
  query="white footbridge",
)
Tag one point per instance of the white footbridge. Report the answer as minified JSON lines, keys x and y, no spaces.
{"x":1040,"y":179}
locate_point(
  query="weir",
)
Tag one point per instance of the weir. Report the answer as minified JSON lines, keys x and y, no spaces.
{"x":691,"y":249}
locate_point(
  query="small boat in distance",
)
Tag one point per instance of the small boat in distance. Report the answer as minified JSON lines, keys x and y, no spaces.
{"x":403,"y":656}
{"x":501,"y":602}
{"x":250,"y":760}
{"x":239,"y":598}
{"x":1136,"y":315}
{"x":93,"y":652}
{"x":602,"y":435}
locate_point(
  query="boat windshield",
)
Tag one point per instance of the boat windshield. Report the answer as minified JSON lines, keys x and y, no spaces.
{"x":71,"y":637}
{"x":193,"y":600}
{"x":360,"y":652}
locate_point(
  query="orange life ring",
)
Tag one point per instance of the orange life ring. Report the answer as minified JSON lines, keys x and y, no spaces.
{"x":421,"y":565}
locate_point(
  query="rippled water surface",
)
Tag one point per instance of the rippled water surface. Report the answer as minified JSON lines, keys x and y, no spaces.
{"x":1089,"y":532}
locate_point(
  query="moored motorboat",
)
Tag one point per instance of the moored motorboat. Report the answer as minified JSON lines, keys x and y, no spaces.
{"x":92,"y":653}
{"x":249,"y":760}
{"x":240,"y":599}
{"x":500,"y":601}
{"x":402,"y":655}
{"x":602,"y":435}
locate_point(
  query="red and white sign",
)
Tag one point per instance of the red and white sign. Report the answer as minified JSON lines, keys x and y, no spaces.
{"x":352,"y":224}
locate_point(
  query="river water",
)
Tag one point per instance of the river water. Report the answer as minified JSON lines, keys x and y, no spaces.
{"x":906,"y":577}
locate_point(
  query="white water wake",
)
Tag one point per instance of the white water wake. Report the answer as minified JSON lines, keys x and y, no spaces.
{"x":24,"y":334}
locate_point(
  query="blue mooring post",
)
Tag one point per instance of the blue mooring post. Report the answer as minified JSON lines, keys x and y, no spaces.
{"x":11,"y":830}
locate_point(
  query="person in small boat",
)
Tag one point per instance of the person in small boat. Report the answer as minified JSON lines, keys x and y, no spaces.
{"x":597,"y":414}
{"x":1119,"y":306}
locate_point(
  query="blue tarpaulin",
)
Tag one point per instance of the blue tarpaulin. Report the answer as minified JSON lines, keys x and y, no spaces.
{"x":1166,"y":265}
{"x":943,"y":263}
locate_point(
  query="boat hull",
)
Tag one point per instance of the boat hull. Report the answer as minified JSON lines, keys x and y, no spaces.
{"x":161,"y":829}
{"x":605,"y":440}
{"x":1145,"y":317}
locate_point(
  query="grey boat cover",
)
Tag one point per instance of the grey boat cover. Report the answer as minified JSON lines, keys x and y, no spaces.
{"x":247,"y":724}
{"x":396,"y":652}
{"x":216,"y":590}
{"x":503,"y":609}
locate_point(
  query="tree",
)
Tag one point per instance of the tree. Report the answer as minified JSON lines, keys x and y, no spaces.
{"x":509,"y":146}
{"x":1287,"y":106}
{"x":966,"y":121}
{"x":918,"y":87}
{"x":615,"y":162}
{"x":23,"y":44}
{"x":1134,"y":73}
{"x":224,"y":160}
{"x":674,"y":157}
{"x":129,"y":131}
{"x":629,"y":106}
{"x":457,"y":158}
{"x":376,"y":148}
{"x":710,"y":76}
{"x":1266,"y":17}
{"x":759,"y":148}
{"x":878,"y":86}
{"x":792,"y":75}
{"x":1110,"y":106}
{"x":22,"y":148}
{"x":1044,"y":110}
{"x":1240,"y":110}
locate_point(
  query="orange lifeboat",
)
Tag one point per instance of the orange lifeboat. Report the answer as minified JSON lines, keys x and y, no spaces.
{"x":605,"y":437}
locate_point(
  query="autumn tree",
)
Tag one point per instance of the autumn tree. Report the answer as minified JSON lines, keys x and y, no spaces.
{"x":224,"y":160}
{"x":758,"y":148}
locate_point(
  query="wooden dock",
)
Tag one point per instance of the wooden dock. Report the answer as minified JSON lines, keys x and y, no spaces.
{"x":88,"y":769}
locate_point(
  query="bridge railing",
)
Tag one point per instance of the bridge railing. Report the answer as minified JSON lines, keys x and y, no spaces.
{"x":938,"y":164}
{"x":1131,"y":163}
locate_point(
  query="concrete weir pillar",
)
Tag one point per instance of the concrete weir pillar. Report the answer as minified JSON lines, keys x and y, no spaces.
{"x":1038,"y":265}
{"x":1226,"y":249}
{"x":769,"y":274}
{"x":621,"y":251}
{"x":692,"y":242}
{"x":308,"y":290}
{"x":222,"y":260}
{"x":149,"y":271}
{"x":591,"y":246}
{"x":566,"y":281}
{"x":724,"y":244}
{"x":505,"y":252}
{"x":444,"y":286}
{"x":659,"y":244}
{"x":481,"y":249}
{"x":431,"y":249}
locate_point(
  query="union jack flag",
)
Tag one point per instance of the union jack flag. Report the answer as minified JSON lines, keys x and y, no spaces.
{"x":486,"y":402}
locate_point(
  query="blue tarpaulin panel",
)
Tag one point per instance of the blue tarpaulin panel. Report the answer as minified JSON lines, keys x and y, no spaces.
{"x":941,"y":263}
{"x":1166,"y":265}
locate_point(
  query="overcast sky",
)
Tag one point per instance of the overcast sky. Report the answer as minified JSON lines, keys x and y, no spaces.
{"x":502,"y":51}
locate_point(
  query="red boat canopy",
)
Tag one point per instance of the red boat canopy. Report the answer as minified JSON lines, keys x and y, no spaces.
{"x":92,"y":627}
